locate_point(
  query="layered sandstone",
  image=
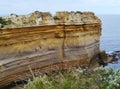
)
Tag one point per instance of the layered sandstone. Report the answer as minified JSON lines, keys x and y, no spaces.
{"x":60,"y":41}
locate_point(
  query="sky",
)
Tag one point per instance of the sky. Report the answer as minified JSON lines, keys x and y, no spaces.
{"x":27,"y":6}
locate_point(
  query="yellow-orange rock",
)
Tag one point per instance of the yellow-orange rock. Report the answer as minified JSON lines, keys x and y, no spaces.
{"x":70,"y":40}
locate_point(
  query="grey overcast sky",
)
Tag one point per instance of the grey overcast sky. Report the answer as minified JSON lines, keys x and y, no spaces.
{"x":27,"y":6}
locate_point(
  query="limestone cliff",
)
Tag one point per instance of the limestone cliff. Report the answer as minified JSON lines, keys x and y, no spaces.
{"x":60,"y":41}
{"x":45,"y":18}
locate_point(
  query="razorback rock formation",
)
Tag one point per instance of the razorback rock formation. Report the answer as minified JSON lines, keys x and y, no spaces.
{"x":60,"y":41}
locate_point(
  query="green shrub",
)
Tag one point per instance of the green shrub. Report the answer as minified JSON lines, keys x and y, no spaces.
{"x":109,"y":78}
{"x":3,"y":22}
{"x":99,"y":78}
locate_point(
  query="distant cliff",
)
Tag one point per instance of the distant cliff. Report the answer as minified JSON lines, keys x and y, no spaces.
{"x":42,"y":42}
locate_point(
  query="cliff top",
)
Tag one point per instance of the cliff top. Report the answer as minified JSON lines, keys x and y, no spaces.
{"x":45,"y":18}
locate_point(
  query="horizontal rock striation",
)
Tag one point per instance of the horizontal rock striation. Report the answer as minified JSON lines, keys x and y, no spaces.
{"x":68,"y":39}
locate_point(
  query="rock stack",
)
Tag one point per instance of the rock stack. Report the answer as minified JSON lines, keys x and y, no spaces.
{"x":39,"y":42}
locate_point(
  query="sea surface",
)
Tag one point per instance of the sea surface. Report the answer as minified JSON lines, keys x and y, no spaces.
{"x":110,"y":38}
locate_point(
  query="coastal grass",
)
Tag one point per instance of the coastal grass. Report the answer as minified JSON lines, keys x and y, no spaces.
{"x":77,"y":78}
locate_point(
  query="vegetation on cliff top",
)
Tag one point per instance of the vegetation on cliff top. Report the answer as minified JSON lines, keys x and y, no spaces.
{"x":99,"y":78}
{"x":4,"y":22}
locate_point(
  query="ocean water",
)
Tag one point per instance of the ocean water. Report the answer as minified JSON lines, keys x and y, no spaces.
{"x":110,"y":38}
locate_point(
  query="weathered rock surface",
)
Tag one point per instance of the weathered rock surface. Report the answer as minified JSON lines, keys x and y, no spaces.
{"x":45,"y":18}
{"x":68,"y":39}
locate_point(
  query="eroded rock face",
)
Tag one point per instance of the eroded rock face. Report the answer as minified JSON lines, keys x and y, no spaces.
{"x":70,"y":39}
{"x":45,"y":18}
{"x":77,"y":17}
